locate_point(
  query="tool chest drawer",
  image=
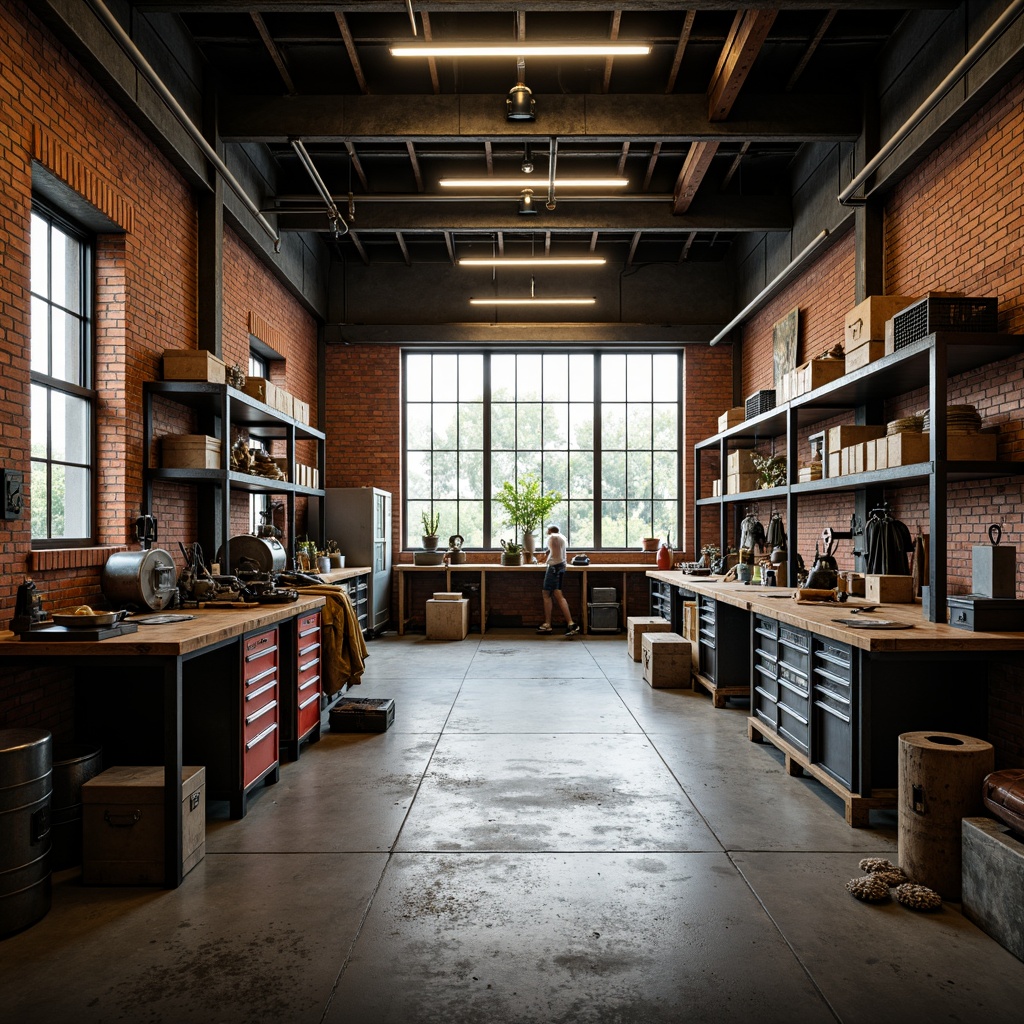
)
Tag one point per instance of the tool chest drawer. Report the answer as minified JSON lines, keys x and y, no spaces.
{"x":794,"y":686}
{"x":308,"y":673}
{"x":259,"y":654}
{"x":832,"y":713}
{"x":764,"y":674}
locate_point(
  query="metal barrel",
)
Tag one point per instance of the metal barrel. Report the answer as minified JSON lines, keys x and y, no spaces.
{"x":25,"y":789}
{"x":73,"y":764}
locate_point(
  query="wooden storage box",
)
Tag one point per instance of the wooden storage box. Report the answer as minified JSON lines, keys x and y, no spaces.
{"x":667,"y":660}
{"x":817,"y":373}
{"x":284,"y":402}
{"x":448,"y":620}
{"x":282,"y":464}
{"x":731,"y":417}
{"x":300,"y":411}
{"x":907,"y":448}
{"x":691,"y":631}
{"x":881,"y":452}
{"x":738,"y":483}
{"x":189,"y":451}
{"x":740,"y":461}
{"x":864,"y":354}
{"x":835,"y":463}
{"x":716,"y":488}
{"x":193,"y":364}
{"x":261,"y":389}
{"x":866,"y":321}
{"x":636,"y":626}
{"x":123,"y":824}
{"x":889,"y":589}
{"x":971,"y":447}
{"x":847,"y":434}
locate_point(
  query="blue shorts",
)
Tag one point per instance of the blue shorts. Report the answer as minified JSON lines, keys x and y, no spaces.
{"x":553,"y":576}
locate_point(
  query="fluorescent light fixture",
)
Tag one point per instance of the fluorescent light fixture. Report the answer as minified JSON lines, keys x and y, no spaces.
{"x":530,"y":301}
{"x":533,"y":261}
{"x":547,"y":49}
{"x":521,"y":183}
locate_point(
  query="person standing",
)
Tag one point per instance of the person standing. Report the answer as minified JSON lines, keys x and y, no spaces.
{"x":554,"y":574}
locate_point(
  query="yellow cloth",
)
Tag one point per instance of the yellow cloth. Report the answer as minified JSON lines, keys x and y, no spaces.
{"x":344,"y":647}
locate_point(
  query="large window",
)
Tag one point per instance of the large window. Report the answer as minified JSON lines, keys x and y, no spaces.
{"x":602,"y":429}
{"x":63,"y":401}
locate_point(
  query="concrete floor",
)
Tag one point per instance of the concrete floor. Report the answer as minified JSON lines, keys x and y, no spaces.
{"x":540,"y":837}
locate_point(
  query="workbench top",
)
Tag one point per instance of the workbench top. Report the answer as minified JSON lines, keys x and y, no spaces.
{"x":778,"y":603}
{"x":209,"y":626}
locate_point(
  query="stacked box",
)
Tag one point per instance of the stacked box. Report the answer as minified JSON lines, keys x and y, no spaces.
{"x":739,"y":483}
{"x":971,"y":447}
{"x":889,"y":589}
{"x":907,"y":448}
{"x":848,"y":434}
{"x":300,"y":411}
{"x":284,"y":402}
{"x":636,"y":626}
{"x":864,"y":354}
{"x":866,"y":321}
{"x":817,"y":373}
{"x":261,"y":389}
{"x":189,"y":451}
{"x":667,"y":660}
{"x":448,"y":620}
{"x":123,"y":824}
{"x":731,"y":418}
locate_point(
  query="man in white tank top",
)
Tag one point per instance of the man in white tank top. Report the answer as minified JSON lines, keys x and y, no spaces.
{"x":554,"y":573}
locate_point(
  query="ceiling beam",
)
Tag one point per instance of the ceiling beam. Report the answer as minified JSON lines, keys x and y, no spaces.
{"x":353,"y":53}
{"x":593,"y":241}
{"x":356,"y":165}
{"x":417,"y":173}
{"x":431,"y":62}
{"x":450,"y":246}
{"x":677,"y":60}
{"x":609,"y":61}
{"x":695,"y":166}
{"x":275,"y":53}
{"x":735,"y":165}
{"x":354,"y":238}
{"x":785,"y":117}
{"x":622,"y":159}
{"x":650,"y":165}
{"x":685,"y":254}
{"x":633,"y":247}
{"x":404,"y":248}
{"x":453,"y":6}
{"x":747,"y":36}
{"x":583,"y":217}
{"x":811,"y":47}
{"x":521,"y":334}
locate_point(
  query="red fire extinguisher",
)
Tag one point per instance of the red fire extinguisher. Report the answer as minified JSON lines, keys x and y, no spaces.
{"x":665,"y":554}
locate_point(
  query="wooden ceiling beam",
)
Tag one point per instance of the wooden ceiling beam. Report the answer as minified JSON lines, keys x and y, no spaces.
{"x":610,"y":61}
{"x":735,"y":165}
{"x":695,"y":166}
{"x":353,"y":53}
{"x":811,"y":47}
{"x":359,"y":247}
{"x":677,"y":60}
{"x":417,"y":174}
{"x":357,"y":165}
{"x":275,"y":53}
{"x":650,"y":165}
{"x":743,"y":44}
{"x":404,"y":248}
{"x":431,"y":62}
{"x":450,"y":246}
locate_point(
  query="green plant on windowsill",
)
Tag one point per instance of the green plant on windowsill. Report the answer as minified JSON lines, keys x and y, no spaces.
{"x":526,"y":505}
{"x":511,"y":553}
{"x":771,"y":470}
{"x":430,"y":521}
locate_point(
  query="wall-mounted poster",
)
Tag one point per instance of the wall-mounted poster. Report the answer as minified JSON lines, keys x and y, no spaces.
{"x":784,"y":340}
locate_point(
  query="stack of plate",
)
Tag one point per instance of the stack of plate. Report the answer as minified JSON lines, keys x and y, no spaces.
{"x":960,"y":419}
{"x":913,"y":423}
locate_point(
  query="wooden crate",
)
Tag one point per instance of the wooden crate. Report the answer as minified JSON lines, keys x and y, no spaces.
{"x":738,"y":483}
{"x":732,"y":417}
{"x":835,"y":463}
{"x":193,"y":364}
{"x":636,"y":626}
{"x":189,"y":451}
{"x":300,"y":411}
{"x":866,"y":321}
{"x":123,"y":824}
{"x":284,"y":402}
{"x":884,"y":589}
{"x":447,"y":620}
{"x":261,"y":389}
{"x":971,"y":447}
{"x":817,"y":373}
{"x":907,"y":448}
{"x":849,"y":433}
{"x":864,"y":354}
{"x":740,"y":461}
{"x":667,"y":660}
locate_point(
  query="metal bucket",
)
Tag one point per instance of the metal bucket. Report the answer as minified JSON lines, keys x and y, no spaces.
{"x":73,"y":764}
{"x":25,"y":782}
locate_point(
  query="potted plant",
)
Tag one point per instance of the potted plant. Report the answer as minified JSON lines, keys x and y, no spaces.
{"x":431,"y":521}
{"x":526,"y":506}
{"x":511,"y":553}
{"x":771,"y":470}
{"x":335,"y":555}
{"x":305,"y":555}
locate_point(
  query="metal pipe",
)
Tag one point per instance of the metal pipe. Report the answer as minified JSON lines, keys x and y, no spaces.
{"x":552,"y":161}
{"x":333,"y":213}
{"x":969,"y":59}
{"x":175,"y":107}
{"x":412,"y":15}
{"x":445,"y":197}
{"x":774,"y":283}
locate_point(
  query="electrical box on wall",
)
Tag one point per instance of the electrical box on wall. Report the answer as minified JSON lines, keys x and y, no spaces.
{"x":11,"y":481}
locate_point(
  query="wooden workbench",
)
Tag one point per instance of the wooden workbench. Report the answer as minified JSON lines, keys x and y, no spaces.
{"x":160,"y":656}
{"x":495,"y":571}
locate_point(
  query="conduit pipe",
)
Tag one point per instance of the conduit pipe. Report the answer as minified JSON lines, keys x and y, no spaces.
{"x":768,"y":288}
{"x":175,"y":107}
{"x":969,"y":59}
{"x":552,"y":161}
{"x":333,"y":213}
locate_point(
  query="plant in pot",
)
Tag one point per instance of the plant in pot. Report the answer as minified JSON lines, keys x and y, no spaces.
{"x":334,"y":554}
{"x":511,"y":553}
{"x":431,"y":521}
{"x":770,"y":469}
{"x":526,"y":506}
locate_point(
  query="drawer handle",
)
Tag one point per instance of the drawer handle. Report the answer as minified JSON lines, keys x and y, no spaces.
{"x":767,"y":657}
{"x":312,"y":681}
{"x":125,"y":820}
{"x":309,"y":700}
{"x":260,"y":654}
{"x":306,"y":650}
{"x":792,"y":714}
{"x":309,"y":664}
{"x":832,"y":712}
{"x":262,"y":675}
{"x":838,"y":697}
{"x":308,"y":632}
{"x":262,"y":711}
{"x":253,"y":694}
{"x":832,"y":677}
{"x":269,"y":731}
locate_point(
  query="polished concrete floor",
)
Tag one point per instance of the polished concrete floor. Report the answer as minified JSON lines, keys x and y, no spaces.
{"x":540,"y":837}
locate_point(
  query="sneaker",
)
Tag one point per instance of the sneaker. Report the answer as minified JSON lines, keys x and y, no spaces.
{"x":573,"y":629}
{"x":545,"y":628}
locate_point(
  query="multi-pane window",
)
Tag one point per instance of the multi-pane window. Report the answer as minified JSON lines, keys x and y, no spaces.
{"x":602,"y":429}
{"x":62,"y":399}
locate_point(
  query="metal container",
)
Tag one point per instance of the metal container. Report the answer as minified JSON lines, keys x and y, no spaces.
{"x":25,"y":784}
{"x":73,"y":764}
{"x":145,"y":579}
{"x":267,"y":554}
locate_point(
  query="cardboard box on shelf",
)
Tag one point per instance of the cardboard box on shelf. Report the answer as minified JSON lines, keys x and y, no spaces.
{"x":193,"y":364}
{"x":866,"y":321}
{"x":284,"y":402}
{"x":716,"y":488}
{"x":731,"y":417}
{"x":864,"y":354}
{"x":887,"y":589}
{"x":847,"y":434}
{"x":300,"y":410}
{"x":189,"y":451}
{"x":817,"y":373}
{"x":907,"y":448}
{"x":740,"y":461}
{"x":261,"y":389}
{"x":859,"y":458}
{"x":740,"y":483}
{"x":881,"y":452}
{"x":835,"y":463}
{"x":971,"y":447}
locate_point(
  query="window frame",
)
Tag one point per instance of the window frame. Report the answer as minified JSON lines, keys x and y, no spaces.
{"x":87,"y":392}
{"x":595,"y":352}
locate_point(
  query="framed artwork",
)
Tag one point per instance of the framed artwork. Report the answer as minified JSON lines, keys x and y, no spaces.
{"x":784,"y":342}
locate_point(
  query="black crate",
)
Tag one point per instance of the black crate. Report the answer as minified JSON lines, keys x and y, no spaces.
{"x":987,"y":614}
{"x":943,"y":314}
{"x":362,"y":714}
{"x":760,"y":401}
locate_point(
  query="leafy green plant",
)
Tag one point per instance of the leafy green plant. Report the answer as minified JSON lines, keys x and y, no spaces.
{"x":771,"y":469}
{"x":510,"y":547}
{"x":431,"y":521}
{"x":526,"y":506}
